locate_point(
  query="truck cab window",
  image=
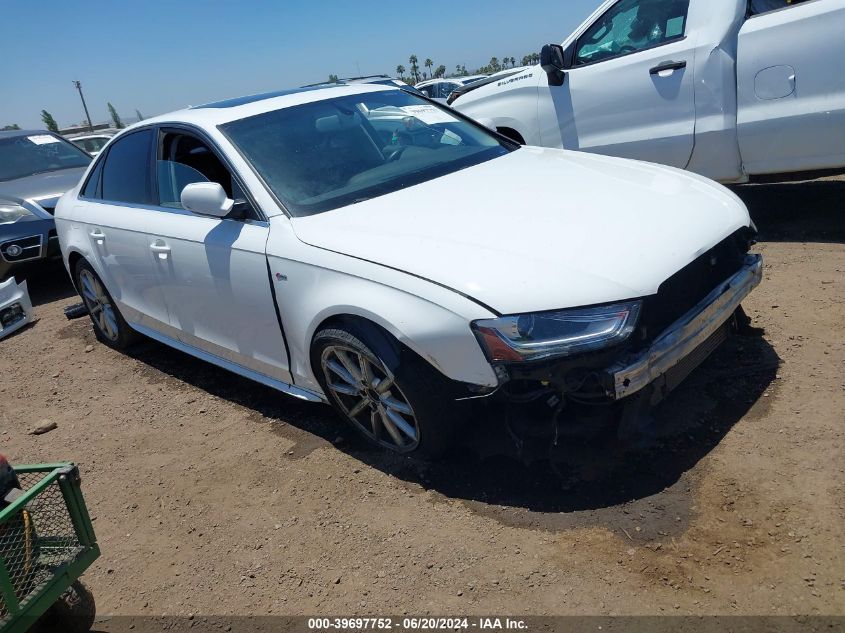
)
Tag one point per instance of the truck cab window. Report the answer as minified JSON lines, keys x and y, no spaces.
{"x":630,"y":26}
{"x":755,"y":7}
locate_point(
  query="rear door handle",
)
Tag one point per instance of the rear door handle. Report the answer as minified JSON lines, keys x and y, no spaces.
{"x":160,"y":248}
{"x":667,"y":66}
{"x":98,"y":236}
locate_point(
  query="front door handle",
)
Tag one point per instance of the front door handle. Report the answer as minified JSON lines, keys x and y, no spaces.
{"x":663,"y":67}
{"x":98,"y":236}
{"x":160,"y":248}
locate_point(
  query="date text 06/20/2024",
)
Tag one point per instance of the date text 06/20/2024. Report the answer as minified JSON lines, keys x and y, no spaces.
{"x":415,"y":624}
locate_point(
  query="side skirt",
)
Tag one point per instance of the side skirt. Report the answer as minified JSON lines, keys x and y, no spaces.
{"x":291,"y":390}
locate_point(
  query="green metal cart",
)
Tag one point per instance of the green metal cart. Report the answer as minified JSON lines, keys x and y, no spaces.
{"x":46,"y":543}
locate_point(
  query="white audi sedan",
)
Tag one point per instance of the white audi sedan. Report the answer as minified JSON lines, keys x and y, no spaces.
{"x":363,"y":246}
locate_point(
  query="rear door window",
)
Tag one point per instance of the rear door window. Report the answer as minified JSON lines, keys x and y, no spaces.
{"x":126,"y":172}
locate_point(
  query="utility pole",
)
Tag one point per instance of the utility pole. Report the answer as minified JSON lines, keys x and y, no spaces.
{"x":87,"y":116}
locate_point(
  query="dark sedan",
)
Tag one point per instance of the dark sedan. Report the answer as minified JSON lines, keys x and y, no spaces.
{"x":36,"y":168}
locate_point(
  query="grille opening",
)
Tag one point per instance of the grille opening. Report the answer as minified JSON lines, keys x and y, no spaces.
{"x":21,"y":249}
{"x":683,"y":290}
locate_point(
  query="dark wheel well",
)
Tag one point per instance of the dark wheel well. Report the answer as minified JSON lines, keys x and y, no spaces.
{"x":511,"y":134}
{"x":72,"y":259}
{"x":387,"y":346}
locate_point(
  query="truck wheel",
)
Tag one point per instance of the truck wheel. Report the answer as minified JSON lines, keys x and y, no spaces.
{"x":74,"y":612}
{"x":390,"y":397}
{"x":109,"y":325}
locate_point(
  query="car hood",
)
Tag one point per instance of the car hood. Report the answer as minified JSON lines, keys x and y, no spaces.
{"x":46,"y":184}
{"x":538,"y":229}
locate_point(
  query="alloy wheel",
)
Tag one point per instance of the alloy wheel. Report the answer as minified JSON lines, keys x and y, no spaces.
{"x":369,"y":396}
{"x":99,"y":305}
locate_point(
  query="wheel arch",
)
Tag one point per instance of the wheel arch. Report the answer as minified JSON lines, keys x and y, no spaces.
{"x":73,"y":258}
{"x":511,"y":133}
{"x":386,"y":344}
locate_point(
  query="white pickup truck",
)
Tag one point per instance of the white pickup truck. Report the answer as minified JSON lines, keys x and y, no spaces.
{"x":730,"y":89}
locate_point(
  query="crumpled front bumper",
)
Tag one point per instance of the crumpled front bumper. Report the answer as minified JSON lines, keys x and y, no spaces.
{"x":15,"y":306}
{"x":687,"y":339}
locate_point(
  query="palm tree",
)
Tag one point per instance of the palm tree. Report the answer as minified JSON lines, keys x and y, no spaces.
{"x":400,"y":71}
{"x":429,"y":64}
{"x":494,"y":65}
{"x":415,"y":69}
{"x":49,"y":121}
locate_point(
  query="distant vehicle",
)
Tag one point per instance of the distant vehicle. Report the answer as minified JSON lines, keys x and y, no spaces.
{"x":381,"y":80}
{"x":440,"y":89}
{"x":92,"y":143}
{"x":729,"y":89}
{"x":36,"y":168}
{"x":363,"y":246}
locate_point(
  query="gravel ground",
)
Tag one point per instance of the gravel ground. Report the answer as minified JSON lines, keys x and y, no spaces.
{"x":214,"y":495}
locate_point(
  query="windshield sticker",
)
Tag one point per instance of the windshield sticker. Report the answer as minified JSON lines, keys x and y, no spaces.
{"x":43,"y":139}
{"x":428,"y":114}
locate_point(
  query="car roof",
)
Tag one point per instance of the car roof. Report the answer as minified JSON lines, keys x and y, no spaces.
{"x":220,"y":112}
{"x":451,"y":80}
{"x":82,"y":137}
{"x":14,"y":133}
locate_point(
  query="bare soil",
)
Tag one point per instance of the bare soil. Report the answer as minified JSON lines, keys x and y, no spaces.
{"x":214,"y":495}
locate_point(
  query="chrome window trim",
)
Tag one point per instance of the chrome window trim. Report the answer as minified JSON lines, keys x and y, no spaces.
{"x":174,"y":211}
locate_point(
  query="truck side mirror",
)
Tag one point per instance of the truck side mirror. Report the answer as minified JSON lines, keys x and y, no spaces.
{"x":551,"y":61}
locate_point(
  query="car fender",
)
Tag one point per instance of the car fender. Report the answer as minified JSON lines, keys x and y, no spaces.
{"x":314,"y":285}
{"x":510,"y":103}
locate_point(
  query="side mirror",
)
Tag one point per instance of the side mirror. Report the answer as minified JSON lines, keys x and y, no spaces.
{"x":206,"y":198}
{"x":552,"y":63}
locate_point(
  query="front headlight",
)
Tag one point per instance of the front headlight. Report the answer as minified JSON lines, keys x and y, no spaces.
{"x":545,"y":334}
{"x":10,"y":212}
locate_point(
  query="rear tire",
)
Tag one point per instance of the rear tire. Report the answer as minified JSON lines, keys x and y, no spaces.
{"x":390,"y":397}
{"x":109,"y":325}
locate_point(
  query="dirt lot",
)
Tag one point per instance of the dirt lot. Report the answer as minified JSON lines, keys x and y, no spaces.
{"x":214,"y":495}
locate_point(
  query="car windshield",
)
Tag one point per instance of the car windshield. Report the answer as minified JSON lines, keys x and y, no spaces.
{"x":335,"y":152}
{"x":22,"y":156}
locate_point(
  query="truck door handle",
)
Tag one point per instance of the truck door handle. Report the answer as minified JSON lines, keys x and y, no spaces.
{"x":98,"y":236}
{"x":667,"y":66}
{"x":160,"y":248}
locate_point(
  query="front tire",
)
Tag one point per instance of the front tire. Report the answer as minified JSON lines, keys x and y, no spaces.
{"x":394,"y":400}
{"x":109,"y":325}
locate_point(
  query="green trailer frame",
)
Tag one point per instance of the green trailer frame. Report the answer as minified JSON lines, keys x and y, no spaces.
{"x":57,"y":546}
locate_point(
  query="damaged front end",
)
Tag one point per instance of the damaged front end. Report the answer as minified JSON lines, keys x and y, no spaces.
{"x":15,"y":306}
{"x":624,"y":358}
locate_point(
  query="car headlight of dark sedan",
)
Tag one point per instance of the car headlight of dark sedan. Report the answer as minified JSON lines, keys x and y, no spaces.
{"x":11,"y":212}
{"x":540,"y":335}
